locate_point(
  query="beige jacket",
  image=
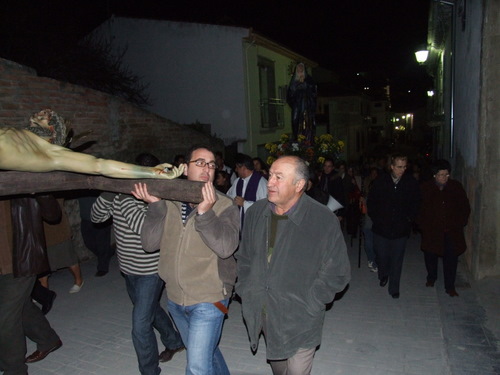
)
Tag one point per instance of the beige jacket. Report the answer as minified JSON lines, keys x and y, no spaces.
{"x":190,"y":254}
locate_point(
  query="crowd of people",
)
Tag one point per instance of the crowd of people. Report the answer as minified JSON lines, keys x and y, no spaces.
{"x":256,"y":228}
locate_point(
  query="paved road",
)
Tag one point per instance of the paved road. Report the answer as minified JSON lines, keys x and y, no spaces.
{"x":366,"y":332}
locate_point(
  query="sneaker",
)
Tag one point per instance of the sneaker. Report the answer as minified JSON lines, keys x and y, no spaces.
{"x":75,"y":288}
{"x":372,"y":266}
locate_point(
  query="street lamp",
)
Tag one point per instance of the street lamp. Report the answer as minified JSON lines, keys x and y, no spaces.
{"x":421,"y":56}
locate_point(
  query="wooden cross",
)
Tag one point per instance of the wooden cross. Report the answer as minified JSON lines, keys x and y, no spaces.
{"x":14,"y":183}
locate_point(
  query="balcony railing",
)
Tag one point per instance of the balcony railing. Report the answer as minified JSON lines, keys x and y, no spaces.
{"x":272,"y":113}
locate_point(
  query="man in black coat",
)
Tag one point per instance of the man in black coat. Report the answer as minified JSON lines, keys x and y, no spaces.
{"x":392,"y":205}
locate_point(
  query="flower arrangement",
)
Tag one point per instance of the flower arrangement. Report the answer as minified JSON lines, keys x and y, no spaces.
{"x":314,"y":153}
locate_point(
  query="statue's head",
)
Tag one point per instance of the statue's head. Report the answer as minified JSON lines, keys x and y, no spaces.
{"x":48,"y":125}
{"x":300,"y":70}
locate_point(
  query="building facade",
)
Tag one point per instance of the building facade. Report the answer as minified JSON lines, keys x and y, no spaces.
{"x":463,"y":43}
{"x":229,"y":77}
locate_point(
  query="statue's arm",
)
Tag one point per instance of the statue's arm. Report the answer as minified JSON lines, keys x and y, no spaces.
{"x":21,"y":150}
{"x":67,"y":160}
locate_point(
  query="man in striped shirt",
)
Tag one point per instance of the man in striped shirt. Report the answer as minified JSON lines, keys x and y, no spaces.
{"x":140,"y":270}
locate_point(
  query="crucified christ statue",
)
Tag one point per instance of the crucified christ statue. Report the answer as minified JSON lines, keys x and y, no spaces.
{"x":38,"y":148}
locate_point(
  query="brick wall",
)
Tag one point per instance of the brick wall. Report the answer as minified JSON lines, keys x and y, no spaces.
{"x":121,"y":130}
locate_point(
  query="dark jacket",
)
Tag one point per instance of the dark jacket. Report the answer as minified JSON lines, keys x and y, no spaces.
{"x":25,"y":228}
{"x":309,"y":265}
{"x":443,"y":211}
{"x":393,"y":207}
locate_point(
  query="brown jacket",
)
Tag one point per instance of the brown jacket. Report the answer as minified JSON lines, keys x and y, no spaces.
{"x":443,"y":211}
{"x":5,"y":238}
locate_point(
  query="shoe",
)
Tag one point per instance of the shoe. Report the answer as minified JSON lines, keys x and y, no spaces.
{"x":37,"y":355}
{"x":76,"y":288}
{"x":372,"y":266}
{"x":429,"y":284}
{"x":168,"y":354}
{"x":101,"y":273}
{"x":452,"y":293}
{"x":395,"y":295}
{"x":47,"y":306}
{"x":383,"y":281}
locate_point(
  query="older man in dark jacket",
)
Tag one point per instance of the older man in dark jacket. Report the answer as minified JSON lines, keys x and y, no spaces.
{"x":392,"y":205}
{"x":292,"y":261}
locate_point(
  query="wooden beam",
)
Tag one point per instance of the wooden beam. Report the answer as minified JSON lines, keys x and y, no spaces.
{"x":14,"y":183}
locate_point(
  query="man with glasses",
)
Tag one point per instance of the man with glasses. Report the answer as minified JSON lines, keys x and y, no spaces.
{"x":196,"y":243}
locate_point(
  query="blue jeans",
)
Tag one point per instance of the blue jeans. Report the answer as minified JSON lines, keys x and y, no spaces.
{"x":367,"y":232}
{"x":200,"y":326}
{"x":390,"y":256}
{"x":145,"y":292}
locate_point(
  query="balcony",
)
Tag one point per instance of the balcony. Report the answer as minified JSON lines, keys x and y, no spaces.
{"x":272,"y":113}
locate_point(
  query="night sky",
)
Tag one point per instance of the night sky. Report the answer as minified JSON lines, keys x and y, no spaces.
{"x":376,"y":36}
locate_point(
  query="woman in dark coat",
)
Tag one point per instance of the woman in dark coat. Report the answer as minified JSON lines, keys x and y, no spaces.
{"x":444,"y":212}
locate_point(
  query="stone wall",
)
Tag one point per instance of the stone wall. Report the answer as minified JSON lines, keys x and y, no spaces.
{"x":476,"y":114}
{"x":119,"y":129}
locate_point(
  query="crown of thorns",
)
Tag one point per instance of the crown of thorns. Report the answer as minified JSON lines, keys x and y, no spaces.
{"x":49,"y":125}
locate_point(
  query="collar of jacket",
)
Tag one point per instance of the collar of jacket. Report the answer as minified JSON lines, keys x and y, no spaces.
{"x":298,"y":211}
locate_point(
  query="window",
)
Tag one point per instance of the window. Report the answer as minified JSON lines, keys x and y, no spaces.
{"x":271,"y":107}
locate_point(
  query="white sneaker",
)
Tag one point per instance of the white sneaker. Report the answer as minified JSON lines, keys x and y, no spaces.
{"x":372,"y":266}
{"x":75,"y":288}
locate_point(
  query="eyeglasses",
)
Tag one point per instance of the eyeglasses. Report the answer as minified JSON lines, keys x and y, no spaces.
{"x":442,"y":175}
{"x":201,"y":163}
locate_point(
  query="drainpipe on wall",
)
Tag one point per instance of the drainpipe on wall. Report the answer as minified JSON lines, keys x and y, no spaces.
{"x":452,"y":74}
